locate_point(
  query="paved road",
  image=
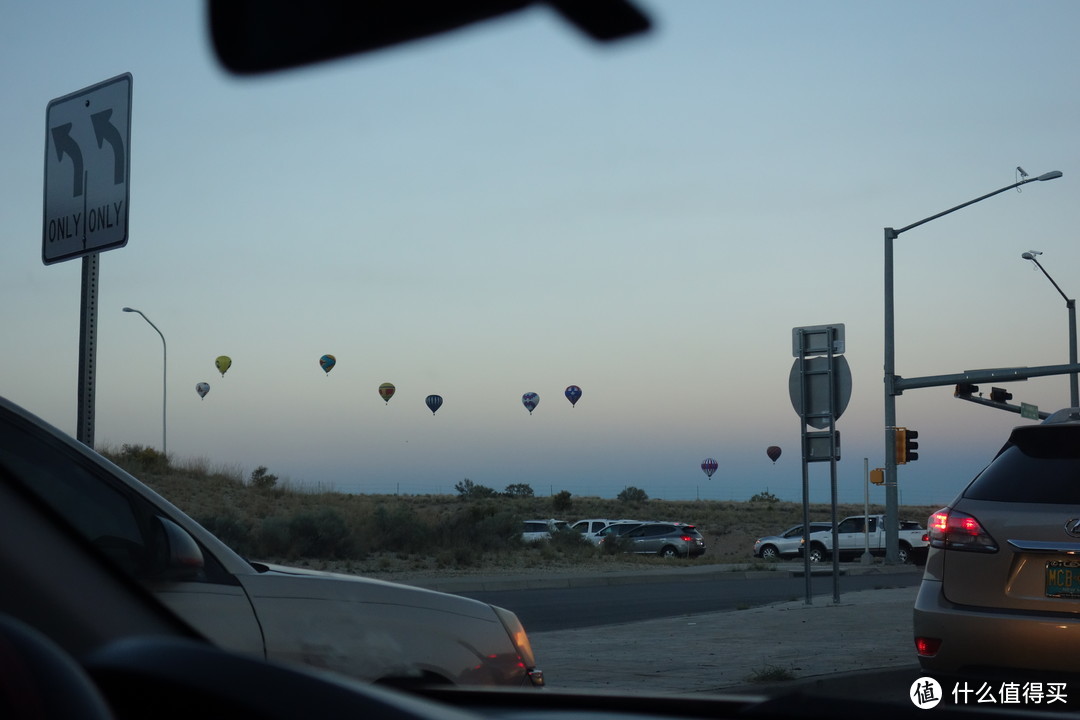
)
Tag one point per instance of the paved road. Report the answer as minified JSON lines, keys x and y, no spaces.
{"x":806,"y":656}
{"x":547,"y":609}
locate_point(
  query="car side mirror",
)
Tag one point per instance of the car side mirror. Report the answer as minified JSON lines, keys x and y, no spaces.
{"x":177,"y":556}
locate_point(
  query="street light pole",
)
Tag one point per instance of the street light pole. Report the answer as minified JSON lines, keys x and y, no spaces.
{"x":1070,"y":303}
{"x":164,"y":365}
{"x":892,"y":517}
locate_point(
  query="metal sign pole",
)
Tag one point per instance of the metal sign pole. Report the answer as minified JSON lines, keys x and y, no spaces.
{"x":87,"y":349}
{"x":805,"y":473}
{"x":832,"y":466}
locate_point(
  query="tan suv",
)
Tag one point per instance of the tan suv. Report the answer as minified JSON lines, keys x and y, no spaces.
{"x":1001,"y":588}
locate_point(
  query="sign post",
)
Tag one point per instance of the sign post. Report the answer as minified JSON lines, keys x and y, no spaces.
{"x":87,"y":170}
{"x":820,"y":388}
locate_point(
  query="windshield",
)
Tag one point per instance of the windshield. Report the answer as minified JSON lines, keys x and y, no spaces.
{"x":386,"y":314}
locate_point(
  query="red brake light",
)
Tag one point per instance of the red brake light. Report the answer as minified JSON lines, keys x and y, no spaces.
{"x":953,"y":530}
{"x":938,"y":521}
{"x":927,"y":647}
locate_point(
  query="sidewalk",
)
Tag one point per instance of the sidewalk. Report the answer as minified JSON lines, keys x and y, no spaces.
{"x":741,"y":651}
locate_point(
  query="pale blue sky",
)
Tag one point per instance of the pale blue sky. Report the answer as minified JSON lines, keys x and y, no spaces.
{"x":514,"y":209}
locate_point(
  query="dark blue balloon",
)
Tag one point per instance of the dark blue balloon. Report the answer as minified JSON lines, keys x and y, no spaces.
{"x":573,"y":394}
{"x":530,"y":400}
{"x":434,"y":402}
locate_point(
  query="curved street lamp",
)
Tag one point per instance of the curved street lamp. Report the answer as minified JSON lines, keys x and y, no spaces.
{"x":1070,"y":303}
{"x":164,"y":365}
{"x":892,"y":520}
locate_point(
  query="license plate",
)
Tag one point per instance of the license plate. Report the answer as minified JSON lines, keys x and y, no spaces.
{"x":1063,"y":579}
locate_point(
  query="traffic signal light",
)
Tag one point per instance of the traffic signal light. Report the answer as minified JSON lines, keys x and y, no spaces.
{"x":910,"y":446}
{"x":905,"y":445}
{"x":999,"y":395}
{"x":965,"y":390}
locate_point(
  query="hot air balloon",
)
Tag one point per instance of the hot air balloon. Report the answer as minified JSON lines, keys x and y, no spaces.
{"x":202,"y":388}
{"x":773,"y":452}
{"x":386,"y":391}
{"x":708,"y":465}
{"x":573,"y":394}
{"x":530,"y":400}
{"x":327,"y":363}
{"x":434,"y":402}
{"x":223,"y":363}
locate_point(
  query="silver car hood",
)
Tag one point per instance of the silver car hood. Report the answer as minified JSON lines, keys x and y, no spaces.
{"x":284,"y":581}
{"x":281,"y":581}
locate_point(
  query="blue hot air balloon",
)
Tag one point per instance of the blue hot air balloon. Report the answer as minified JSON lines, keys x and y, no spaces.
{"x":434,"y":402}
{"x":327,"y":363}
{"x":709,"y":466}
{"x":530,"y":400}
{"x":573,"y":394}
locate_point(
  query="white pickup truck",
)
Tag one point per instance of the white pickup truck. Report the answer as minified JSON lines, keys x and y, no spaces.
{"x":852,"y":537}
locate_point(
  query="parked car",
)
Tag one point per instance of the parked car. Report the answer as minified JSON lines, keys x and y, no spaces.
{"x":593,"y":528}
{"x":617,"y":529}
{"x":540,"y":530}
{"x":368,"y":629}
{"x":663,"y":539}
{"x":858,"y":533}
{"x":787,"y":543}
{"x":1001,"y":589}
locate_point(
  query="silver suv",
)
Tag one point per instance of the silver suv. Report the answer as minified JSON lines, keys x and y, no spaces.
{"x":368,"y":629}
{"x":665,"y":539}
{"x":1002,"y":581}
{"x":787,"y":543}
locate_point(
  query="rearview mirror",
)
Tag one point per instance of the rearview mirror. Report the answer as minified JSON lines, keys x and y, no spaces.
{"x":255,"y":36}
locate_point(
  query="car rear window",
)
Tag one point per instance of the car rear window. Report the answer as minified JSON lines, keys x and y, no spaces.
{"x":1040,"y":464}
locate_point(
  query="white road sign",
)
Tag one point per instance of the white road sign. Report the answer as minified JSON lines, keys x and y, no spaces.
{"x":87,"y":167}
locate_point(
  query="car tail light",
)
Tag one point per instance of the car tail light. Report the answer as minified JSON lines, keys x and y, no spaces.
{"x":927,"y":647}
{"x":953,"y":530}
{"x":521,"y":643}
{"x":687,"y":538}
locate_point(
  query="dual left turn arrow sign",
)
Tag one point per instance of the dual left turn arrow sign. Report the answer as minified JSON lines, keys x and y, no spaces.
{"x":87,"y":168}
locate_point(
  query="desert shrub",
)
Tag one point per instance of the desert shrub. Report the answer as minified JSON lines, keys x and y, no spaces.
{"x":138,"y":459}
{"x":398,"y":528}
{"x":468,"y":490}
{"x":562,"y":502}
{"x":765,"y":496}
{"x":615,"y":545}
{"x":571,"y":542}
{"x":275,"y":538}
{"x":322,"y":533}
{"x":519,"y":490}
{"x":231,"y":530}
{"x":482,"y":525}
{"x":632,"y":496}
{"x":261,"y":478}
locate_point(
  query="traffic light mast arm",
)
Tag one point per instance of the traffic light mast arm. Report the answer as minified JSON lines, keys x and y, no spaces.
{"x":976,"y":376}
{"x":999,"y":405}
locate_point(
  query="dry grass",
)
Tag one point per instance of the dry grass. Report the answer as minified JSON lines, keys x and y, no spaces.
{"x":387,"y":534}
